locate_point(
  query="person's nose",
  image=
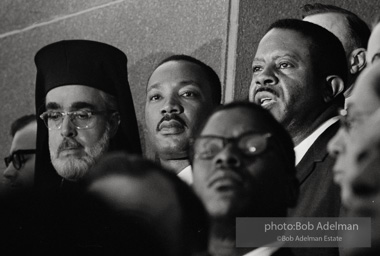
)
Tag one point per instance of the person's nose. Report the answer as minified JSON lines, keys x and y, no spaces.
{"x":228,"y":157}
{"x":266,"y":77}
{"x":337,"y":144}
{"x":172,"y":105}
{"x":10,"y":172}
{"x":68,"y":129}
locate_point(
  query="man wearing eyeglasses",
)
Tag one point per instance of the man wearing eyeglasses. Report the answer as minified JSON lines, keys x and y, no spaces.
{"x":85,"y":109}
{"x":243,"y":166}
{"x":17,"y":182}
{"x":18,"y":177}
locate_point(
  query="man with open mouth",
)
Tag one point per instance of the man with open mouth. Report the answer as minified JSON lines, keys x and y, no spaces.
{"x":299,"y":75}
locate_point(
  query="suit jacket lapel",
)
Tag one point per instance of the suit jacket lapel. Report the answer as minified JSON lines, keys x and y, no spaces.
{"x":316,"y":153}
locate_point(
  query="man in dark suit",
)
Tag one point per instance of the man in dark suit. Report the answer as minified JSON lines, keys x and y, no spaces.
{"x":299,"y":75}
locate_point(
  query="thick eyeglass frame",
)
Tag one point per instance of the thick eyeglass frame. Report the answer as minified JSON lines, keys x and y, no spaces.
{"x":72,"y":115}
{"x":18,"y":158}
{"x":235,"y":140}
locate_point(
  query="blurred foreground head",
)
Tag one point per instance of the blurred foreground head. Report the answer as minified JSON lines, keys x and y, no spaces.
{"x":137,"y":208}
{"x":362,"y":184}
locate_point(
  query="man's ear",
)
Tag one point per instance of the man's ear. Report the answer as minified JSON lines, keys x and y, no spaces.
{"x":114,"y":122}
{"x":357,"y":60}
{"x":333,"y":87}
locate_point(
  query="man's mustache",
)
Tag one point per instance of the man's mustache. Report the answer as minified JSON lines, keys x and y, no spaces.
{"x":68,"y":144}
{"x":170,"y":117}
{"x":267,"y":89}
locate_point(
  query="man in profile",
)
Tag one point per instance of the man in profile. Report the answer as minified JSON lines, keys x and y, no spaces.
{"x":365,"y":103}
{"x":18,"y":181}
{"x":181,"y":92}
{"x":349,"y":28}
{"x":18,"y":177}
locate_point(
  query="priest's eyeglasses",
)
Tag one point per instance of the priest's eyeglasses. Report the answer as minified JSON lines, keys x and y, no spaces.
{"x":250,"y":144}
{"x":81,"y":119}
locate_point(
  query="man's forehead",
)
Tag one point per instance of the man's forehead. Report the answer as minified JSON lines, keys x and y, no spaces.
{"x":180,"y":72}
{"x":25,"y":138}
{"x":235,"y":121}
{"x":73,"y":106}
{"x":284,"y":40}
{"x":73,"y":95}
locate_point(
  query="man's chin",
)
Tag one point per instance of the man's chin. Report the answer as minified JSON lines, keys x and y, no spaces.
{"x":176,"y":147}
{"x":173,"y":154}
{"x":71,"y":168}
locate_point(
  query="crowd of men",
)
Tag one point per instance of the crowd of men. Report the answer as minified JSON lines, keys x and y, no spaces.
{"x":305,"y":144}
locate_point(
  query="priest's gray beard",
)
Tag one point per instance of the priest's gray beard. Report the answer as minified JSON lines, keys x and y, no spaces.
{"x":73,"y":168}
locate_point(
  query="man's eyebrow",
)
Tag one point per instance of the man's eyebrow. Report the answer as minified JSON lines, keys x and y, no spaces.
{"x":153,"y":86}
{"x":182,"y":83}
{"x":52,"y":105}
{"x":277,"y":56}
{"x":258,"y":59}
{"x":190,"y":82}
{"x":74,"y":106}
{"x":81,"y":104}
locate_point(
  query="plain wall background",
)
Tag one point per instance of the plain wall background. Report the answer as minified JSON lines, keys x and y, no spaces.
{"x":146,"y":30}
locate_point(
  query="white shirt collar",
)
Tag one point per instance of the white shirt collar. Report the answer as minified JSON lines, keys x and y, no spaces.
{"x":304,"y":146}
{"x":186,"y":175}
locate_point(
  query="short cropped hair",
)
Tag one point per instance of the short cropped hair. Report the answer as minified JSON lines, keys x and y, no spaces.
{"x":212,"y":77}
{"x":327,"y":52}
{"x":358,"y":29}
{"x":21,"y":122}
{"x":274,"y":127}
